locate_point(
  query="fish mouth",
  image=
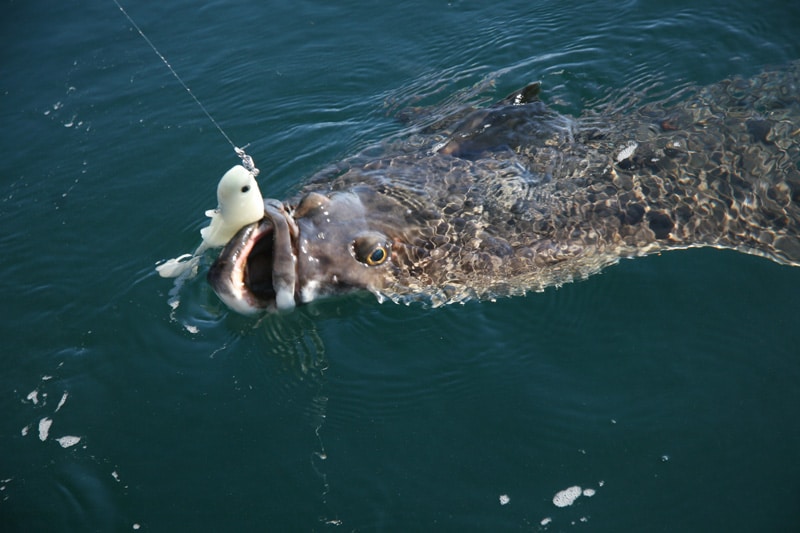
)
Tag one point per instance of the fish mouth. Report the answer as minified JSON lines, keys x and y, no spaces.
{"x":257,"y":269}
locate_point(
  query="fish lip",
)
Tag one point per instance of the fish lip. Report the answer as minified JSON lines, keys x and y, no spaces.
{"x":257,"y":269}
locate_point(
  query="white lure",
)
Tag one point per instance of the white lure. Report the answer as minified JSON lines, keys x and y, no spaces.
{"x":239,"y":203}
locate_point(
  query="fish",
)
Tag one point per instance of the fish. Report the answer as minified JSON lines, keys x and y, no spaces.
{"x":515,"y":197}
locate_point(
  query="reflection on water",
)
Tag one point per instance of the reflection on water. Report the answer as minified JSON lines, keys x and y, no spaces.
{"x":293,"y":338}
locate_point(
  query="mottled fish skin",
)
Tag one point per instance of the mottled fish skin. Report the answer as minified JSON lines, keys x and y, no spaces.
{"x":516,"y":197}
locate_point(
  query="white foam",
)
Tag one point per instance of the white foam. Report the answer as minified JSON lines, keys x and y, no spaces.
{"x":44,"y":428}
{"x":504,"y":499}
{"x":33,"y":396}
{"x":62,"y":401}
{"x":567,"y":496}
{"x":588,"y":492}
{"x":68,"y":441}
{"x":545,"y":521}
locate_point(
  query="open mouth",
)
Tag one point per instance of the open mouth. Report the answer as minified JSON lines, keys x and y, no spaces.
{"x":258,"y":264}
{"x":256,"y":270}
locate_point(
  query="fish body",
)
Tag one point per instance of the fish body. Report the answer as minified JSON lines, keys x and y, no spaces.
{"x":516,"y":198}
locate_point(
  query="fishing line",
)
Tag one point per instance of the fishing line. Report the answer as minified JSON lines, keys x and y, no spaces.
{"x":247,"y":161}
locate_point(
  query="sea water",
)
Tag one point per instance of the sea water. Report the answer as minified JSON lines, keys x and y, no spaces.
{"x":660,"y":395}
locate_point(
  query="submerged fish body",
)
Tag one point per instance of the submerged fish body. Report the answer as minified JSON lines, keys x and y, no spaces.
{"x":516,"y":197}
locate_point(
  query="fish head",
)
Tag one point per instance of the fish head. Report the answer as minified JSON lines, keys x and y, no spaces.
{"x":324,"y":245}
{"x":339,"y":248}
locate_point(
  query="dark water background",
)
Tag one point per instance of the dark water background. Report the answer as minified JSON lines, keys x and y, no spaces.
{"x":668,"y":385}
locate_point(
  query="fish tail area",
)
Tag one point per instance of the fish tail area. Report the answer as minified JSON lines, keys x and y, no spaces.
{"x":732,"y":152}
{"x":772,"y":229}
{"x":765,"y":204}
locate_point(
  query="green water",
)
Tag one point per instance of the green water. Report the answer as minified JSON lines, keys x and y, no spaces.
{"x":667,"y":385}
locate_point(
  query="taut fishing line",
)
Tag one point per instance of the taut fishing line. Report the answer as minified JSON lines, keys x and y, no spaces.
{"x":247,"y":161}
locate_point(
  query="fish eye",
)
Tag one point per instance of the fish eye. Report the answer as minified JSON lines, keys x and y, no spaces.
{"x":245,"y":188}
{"x":372,"y":250}
{"x":377,"y":256}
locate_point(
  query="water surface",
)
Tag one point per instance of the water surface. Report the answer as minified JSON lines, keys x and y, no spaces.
{"x":666,"y":385}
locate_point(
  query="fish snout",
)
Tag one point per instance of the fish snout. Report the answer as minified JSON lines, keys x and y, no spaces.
{"x":257,"y":269}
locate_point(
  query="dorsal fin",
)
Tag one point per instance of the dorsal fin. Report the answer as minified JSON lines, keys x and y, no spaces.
{"x":526,"y":95}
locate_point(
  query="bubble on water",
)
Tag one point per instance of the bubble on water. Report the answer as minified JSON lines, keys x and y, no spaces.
{"x":545,"y":521}
{"x":68,"y":441}
{"x":567,"y":496}
{"x":33,"y":396}
{"x":504,"y":499}
{"x":588,"y":492}
{"x":62,"y":401}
